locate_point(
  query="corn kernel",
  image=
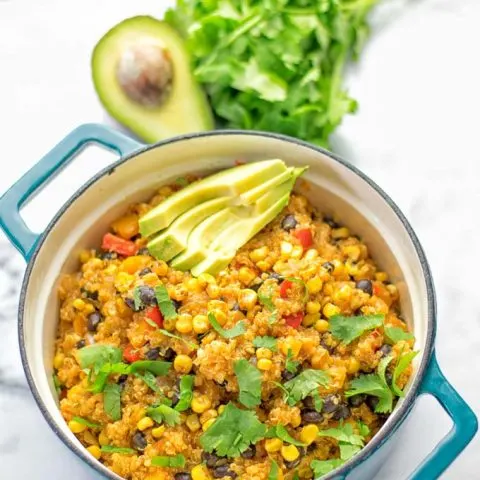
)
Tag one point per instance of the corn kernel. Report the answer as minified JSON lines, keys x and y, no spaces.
{"x":319,"y":359}
{"x":208,"y":424}
{"x":76,"y":427}
{"x":206,"y":279}
{"x":263,"y":353}
{"x":342,"y":232}
{"x":89,"y":437}
{"x":246,"y":275}
{"x":329,"y":310}
{"x":263,"y":265}
{"x":84,"y":256}
{"x":311,"y":254}
{"x":169,"y":324}
{"x":161,"y":269}
{"x":103,"y":439}
{"x":314,"y":285}
{"x":58,"y":360}
{"x":200,"y":403}
{"x":193,"y":423}
{"x":247,"y":299}
{"x":309,"y":433}
{"x":290,"y":453}
{"x":297,"y":252}
{"x":313,"y":307}
{"x":381,"y":276}
{"x":200,"y":324}
{"x":353,"y":366}
{"x":184,"y":323}
{"x":207,"y":415}
{"x":95,"y":451}
{"x":310,"y":319}
{"x":343,"y":294}
{"x":182,"y":364}
{"x":353,"y":252}
{"x":220,"y":409}
{"x":220,"y":316}
{"x":158,"y":431}
{"x":126,"y":226}
{"x":193,"y":285}
{"x":78,"y":304}
{"x":286,"y":249}
{"x":322,"y":326}
{"x":123,"y":281}
{"x":200,"y":472}
{"x":258,"y":254}
{"x":213,"y":290}
{"x":89,"y":308}
{"x":144,"y":423}
{"x":273,"y":445}
{"x":293,"y":344}
{"x":264,"y":364}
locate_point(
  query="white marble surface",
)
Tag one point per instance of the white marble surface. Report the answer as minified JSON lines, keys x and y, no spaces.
{"x":415,"y":134}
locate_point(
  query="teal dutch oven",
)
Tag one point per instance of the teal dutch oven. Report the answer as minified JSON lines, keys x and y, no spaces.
{"x":335,"y":186}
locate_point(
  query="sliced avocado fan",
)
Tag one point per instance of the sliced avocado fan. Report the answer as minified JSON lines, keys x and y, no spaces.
{"x":202,"y":226}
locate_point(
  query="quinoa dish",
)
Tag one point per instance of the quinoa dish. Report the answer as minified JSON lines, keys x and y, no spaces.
{"x":283,"y":365}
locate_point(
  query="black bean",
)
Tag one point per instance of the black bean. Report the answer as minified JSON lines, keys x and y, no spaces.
{"x":143,"y":272}
{"x":249,"y":452}
{"x":108,"y":255}
{"x":175,"y":397}
{"x":139,"y":441}
{"x":182,"y":476}
{"x":286,"y":375}
{"x":357,"y":400}
{"x":341,"y":413}
{"x":372,"y":402}
{"x":276,"y":276}
{"x":289,"y":223}
{"x":385,"y":350}
{"x":389,"y":377}
{"x":122,"y":380}
{"x":130,"y":304}
{"x":311,"y":416}
{"x":331,"y":403}
{"x":153,"y":353}
{"x":365,"y":285}
{"x":80,"y":344}
{"x":329,"y":348}
{"x":294,"y":464}
{"x":93,"y":321}
{"x":330,"y":222}
{"x":328,"y":266}
{"x":143,"y":251}
{"x":309,"y":403}
{"x":253,"y":361}
{"x":176,"y":304}
{"x":256,"y":286}
{"x":147,"y":295}
{"x":223,"y":471}
{"x":169,"y":354}
{"x":88,"y":294}
{"x":213,"y":460}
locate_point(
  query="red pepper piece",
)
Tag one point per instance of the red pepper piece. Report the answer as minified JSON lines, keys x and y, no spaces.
{"x":304,"y":236}
{"x":112,"y":243}
{"x":285,"y":286}
{"x":294,"y":320}
{"x":155,"y":315}
{"x":376,"y":289}
{"x":131,"y":355}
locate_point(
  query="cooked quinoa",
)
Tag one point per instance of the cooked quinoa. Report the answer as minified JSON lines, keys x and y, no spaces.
{"x":289,"y":282}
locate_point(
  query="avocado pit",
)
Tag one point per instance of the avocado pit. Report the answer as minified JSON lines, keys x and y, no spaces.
{"x":145,"y":73}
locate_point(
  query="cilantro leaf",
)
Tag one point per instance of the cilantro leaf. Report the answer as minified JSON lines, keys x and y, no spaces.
{"x":291,"y":365}
{"x":348,"y":329}
{"x":192,"y":345}
{"x":281,"y":432}
{"x":83,"y":421}
{"x":265,"y":342}
{"x":157,"y":367}
{"x":267,"y":302}
{"x":121,"y":450}
{"x":233,"y":432}
{"x":317,"y":401}
{"x":363,"y":429}
{"x":322,"y":467}
{"x":57,"y":384}
{"x":273,"y":474}
{"x":249,"y":383}
{"x":137,"y":300}
{"x":186,"y":393}
{"x":150,"y":379}
{"x":402,"y":363}
{"x":176,"y":461}
{"x":163,"y":413}
{"x":395,"y":334}
{"x":95,"y":356}
{"x":237,"y":330}
{"x":304,"y":384}
{"x":343,"y":433}
{"x":112,"y":402}
{"x":165,"y":305}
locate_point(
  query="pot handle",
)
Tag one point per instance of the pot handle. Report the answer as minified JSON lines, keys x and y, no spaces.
{"x":465,"y":424}
{"x":45,"y":170}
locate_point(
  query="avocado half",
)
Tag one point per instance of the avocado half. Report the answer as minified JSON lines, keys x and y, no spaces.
{"x":183,"y":108}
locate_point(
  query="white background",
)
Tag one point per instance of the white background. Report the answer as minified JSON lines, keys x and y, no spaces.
{"x":416,"y":134}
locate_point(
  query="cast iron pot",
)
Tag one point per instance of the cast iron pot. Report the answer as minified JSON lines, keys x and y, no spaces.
{"x":336,"y":187}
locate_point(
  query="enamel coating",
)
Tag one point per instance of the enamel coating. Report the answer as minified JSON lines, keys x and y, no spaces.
{"x":336,"y":185}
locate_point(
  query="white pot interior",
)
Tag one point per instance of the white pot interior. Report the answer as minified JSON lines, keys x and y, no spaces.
{"x":333,"y":188}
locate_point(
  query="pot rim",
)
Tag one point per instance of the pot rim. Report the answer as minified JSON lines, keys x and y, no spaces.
{"x":381,"y":437}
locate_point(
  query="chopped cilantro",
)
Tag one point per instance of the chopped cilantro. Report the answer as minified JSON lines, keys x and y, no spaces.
{"x":121,"y":450}
{"x":192,"y":345}
{"x":322,"y":467}
{"x":265,"y":342}
{"x":165,"y":305}
{"x":237,"y":330}
{"x":249,"y":383}
{"x":281,"y":432}
{"x":395,"y":334}
{"x":363,"y":429}
{"x":95,"y":356}
{"x":233,"y":432}
{"x":267,"y":302}
{"x":348,"y":329}
{"x":137,"y":300}
{"x":163,"y":413}
{"x":317,"y":401}
{"x":291,"y":365}
{"x":176,"y":461}
{"x":57,"y":384}
{"x":303,"y":385}
{"x":186,"y":393}
{"x":273,"y":474}
{"x":343,"y":433}
{"x":83,"y":421}
{"x":150,"y":379}
{"x":402,"y":363}
{"x":112,"y":402}
{"x":157,"y":367}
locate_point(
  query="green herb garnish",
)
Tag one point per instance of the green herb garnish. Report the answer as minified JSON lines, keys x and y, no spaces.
{"x":348,"y":329}
{"x":233,"y":432}
{"x":291,"y":365}
{"x":265,"y":342}
{"x":402,"y":363}
{"x":95,"y":356}
{"x":303,"y":385}
{"x":322,"y":467}
{"x":176,"y":461}
{"x":163,"y":413}
{"x":317,"y":400}
{"x":137,"y":301}
{"x":249,"y":383}
{"x":237,"y":330}
{"x":186,"y":393}
{"x":83,"y":421}
{"x":282,"y":433}
{"x":395,"y":334}
{"x":165,"y":305}
{"x":112,"y":402}
{"x":121,"y":450}
{"x":267,"y":302}
{"x":273,"y":474}
{"x":192,"y":345}
{"x":150,"y":379}
{"x":157,"y":367}
{"x":57,"y":384}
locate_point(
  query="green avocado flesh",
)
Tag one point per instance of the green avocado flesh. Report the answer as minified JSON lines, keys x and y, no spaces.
{"x":201,"y":227}
{"x":184,"y":108}
{"x":231,"y":183}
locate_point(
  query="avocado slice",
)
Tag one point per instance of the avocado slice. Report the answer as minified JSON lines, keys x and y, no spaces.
{"x":231,"y":182}
{"x":142,"y":75}
{"x":174,"y":239}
